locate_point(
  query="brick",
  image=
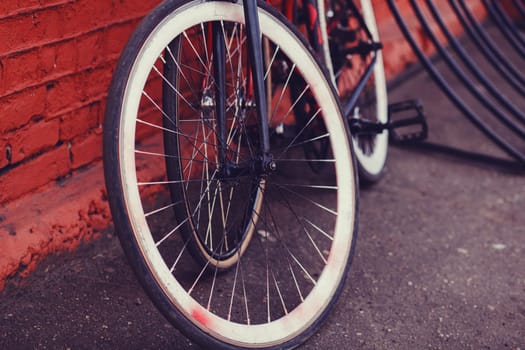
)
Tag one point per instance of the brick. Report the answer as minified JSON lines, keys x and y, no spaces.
{"x":31,"y":175}
{"x":14,"y":7}
{"x":8,"y":7}
{"x":75,"y":90}
{"x":64,"y":93}
{"x":31,"y":139}
{"x":27,"y":68}
{"x":79,"y":121}
{"x":2,"y":78}
{"x":29,"y":30}
{"x":118,"y":35}
{"x":66,"y":56}
{"x":90,"y":49}
{"x":66,"y":19}
{"x":84,"y":15}
{"x":96,"y":81}
{"x":86,"y":150}
{"x":5,"y":149}
{"x":18,"y":109}
{"x":52,"y":62}
{"x":102,"y":111}
{"x":41,"y":65}
{"x":132,"y":8}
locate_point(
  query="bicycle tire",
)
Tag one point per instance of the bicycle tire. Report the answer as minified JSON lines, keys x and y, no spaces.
{"x":370,"y":150}
{"x":291,"y":265}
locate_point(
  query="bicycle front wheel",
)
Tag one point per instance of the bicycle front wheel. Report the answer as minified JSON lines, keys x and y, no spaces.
{"x":233,"y":255}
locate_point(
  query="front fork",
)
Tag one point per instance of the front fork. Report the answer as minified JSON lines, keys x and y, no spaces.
{"x":219,"y":72}
{"x":255,"y":56}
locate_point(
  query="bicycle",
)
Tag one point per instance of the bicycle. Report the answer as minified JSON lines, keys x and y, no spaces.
{"x":241,"y":234}
{"x":345,"y":37}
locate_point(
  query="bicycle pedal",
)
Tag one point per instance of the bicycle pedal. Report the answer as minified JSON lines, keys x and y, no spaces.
{"x":342,"y":34}
{"x":360,"y":127}
{"x":363,"y":48}
{"x":407,"y":129}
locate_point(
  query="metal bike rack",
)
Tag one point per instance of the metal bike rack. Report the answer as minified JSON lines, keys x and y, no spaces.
{"x":507,"y":27}
{"x":499,"y":108}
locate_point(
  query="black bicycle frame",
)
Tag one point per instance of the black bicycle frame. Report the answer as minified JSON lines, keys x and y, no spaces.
{"x":315,"y":40}
{"x":257,"y":69}
{"x":256,"y":58}
{"x":256,"y":64}
{"x":368,"y":72}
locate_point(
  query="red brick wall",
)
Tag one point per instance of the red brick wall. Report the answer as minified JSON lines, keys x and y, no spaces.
{"x":397,"y":52}
{"x":56,"y":60}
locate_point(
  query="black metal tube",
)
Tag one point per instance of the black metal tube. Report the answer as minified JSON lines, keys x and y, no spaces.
{"x":253,"y":33}
{"x":473,"y":67}
{"x":347,"y":109}
{"x":520,"y":7}
{"x":491,"y":52}
{"x":516,"y":128}
{"x":491,"y":43}
{"x":509,"y":23}
{"x":219,"y":76}
{"x":458,"y":102}
{"x":469,"y":156}
{"x":507,"y":34}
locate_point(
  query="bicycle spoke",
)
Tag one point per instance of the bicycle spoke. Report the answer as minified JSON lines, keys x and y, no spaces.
{"x":297,"y":194}
{"x":156,"y":211}
{"x":299,"y":134}
{"x":281,"y":96}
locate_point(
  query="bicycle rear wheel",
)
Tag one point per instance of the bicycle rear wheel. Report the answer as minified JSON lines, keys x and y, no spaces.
{"x":233,"y":255}
{"x":342,"y":31}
